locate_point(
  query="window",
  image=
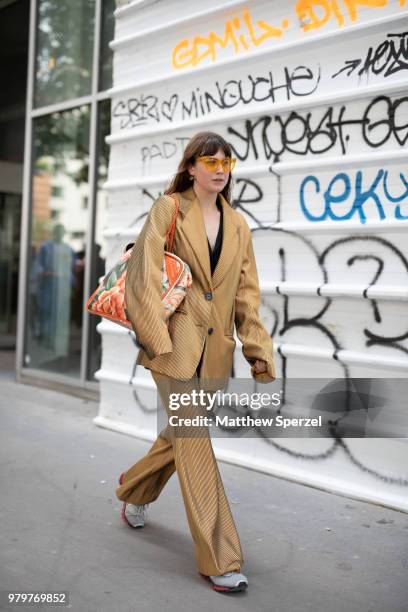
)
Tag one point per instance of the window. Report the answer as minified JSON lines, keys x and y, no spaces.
{"x":65,"y":38}
{"x":56,"y":263}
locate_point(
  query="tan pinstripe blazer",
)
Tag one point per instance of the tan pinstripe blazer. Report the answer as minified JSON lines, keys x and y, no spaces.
{"x":229,"y":297}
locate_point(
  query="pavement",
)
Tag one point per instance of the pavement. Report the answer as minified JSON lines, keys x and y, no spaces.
{"x":304,"y":549}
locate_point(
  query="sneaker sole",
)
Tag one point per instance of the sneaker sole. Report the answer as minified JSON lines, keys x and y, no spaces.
{"x":240,"y":587}
{"x":122,"y":512}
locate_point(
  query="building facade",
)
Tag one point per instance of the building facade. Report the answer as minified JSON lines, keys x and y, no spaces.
{"x":312,"y":97}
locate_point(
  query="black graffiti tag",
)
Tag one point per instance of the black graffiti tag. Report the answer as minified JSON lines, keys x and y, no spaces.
{"x":137,"y":111}
{"x":319,"y":131}
{"x":389,"y":57}
{"x":297,"y":82}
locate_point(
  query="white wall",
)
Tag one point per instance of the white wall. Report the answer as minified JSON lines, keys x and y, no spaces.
{"x":312,"y":96}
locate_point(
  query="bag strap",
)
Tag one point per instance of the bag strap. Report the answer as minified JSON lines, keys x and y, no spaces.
{"x":172,"y":229}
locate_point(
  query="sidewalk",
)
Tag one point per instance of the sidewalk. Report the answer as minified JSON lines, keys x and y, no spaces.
{"x":304,"y":549}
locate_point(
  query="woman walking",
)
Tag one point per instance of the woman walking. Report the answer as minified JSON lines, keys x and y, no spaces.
{"x":197,"y":344}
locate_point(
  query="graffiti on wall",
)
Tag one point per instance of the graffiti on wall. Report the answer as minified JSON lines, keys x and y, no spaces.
{"x":334,"y":129}
{"x":241,"y":33}
{"x":290,"y":83}
{"x":279,"y":84}
{"x":388,"y":58}
{"x":346,"y":197}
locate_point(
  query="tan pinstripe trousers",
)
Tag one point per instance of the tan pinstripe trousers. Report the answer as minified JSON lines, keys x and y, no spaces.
{"x":216,"y":542}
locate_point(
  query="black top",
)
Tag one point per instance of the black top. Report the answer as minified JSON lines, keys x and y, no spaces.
{"x":215,"y":254}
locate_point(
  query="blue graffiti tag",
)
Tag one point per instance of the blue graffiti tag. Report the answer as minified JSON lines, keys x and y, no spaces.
{"x":339,"y":190}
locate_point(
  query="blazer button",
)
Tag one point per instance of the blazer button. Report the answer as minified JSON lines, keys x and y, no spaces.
{"x":210,"y":330}
{"x":208,"y":295}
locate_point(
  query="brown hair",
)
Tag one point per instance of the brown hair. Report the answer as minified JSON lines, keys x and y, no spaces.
{"x":203,"y":143}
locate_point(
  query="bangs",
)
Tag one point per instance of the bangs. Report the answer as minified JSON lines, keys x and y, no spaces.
{"x":212,"y":145}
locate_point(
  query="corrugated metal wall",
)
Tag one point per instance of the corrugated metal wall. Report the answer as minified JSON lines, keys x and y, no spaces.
{"x":312,"y":95}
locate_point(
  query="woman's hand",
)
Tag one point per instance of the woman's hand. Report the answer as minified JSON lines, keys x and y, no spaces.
{"x":260,"y":366}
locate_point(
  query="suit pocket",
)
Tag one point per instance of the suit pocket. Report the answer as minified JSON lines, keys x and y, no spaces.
{"x":229,"y":330}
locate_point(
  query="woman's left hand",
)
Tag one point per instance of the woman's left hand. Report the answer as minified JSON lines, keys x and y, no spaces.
{"x":260,"y":366}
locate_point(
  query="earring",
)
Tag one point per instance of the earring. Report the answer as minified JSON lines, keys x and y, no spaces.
{"x":191,"y":177}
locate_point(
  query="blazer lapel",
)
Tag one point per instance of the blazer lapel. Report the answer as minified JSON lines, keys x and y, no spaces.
{"x":193,"y":227}
{"x":230,"y":243}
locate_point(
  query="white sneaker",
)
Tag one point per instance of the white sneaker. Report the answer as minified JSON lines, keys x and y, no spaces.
{"x":132,"y":514}
{"x":231,"y":581}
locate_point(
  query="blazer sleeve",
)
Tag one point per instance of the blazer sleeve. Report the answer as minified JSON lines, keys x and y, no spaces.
{"x":256,"y":341}
{"x":143,"y":285}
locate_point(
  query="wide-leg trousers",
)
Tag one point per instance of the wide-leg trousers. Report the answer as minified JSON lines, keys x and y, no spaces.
{"x":216,"y":542}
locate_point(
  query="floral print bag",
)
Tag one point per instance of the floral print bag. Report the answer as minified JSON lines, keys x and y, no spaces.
{"x":108,"y":300}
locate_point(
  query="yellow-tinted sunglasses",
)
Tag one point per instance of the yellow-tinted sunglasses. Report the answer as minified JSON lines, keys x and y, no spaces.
{"x":212,"y":163}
